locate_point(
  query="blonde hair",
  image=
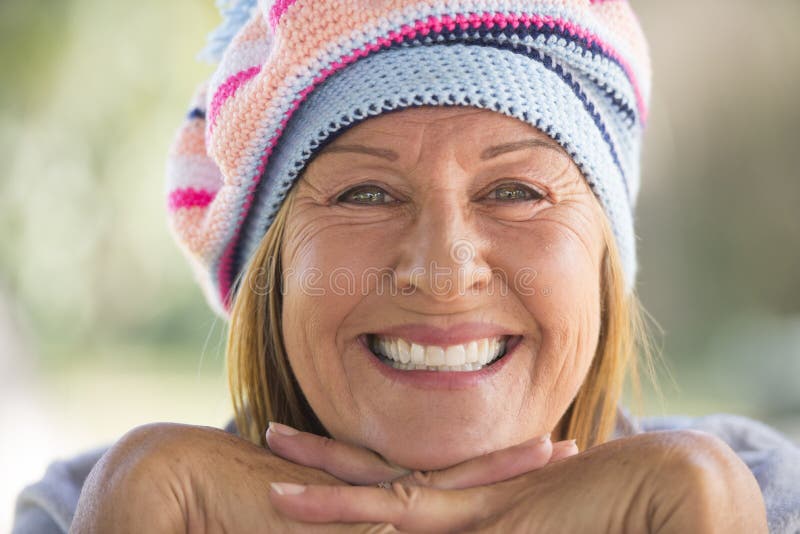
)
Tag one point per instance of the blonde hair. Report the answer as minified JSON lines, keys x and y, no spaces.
{"x":264,"y":388}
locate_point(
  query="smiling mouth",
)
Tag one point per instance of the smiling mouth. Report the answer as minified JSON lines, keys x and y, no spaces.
{"x":404,"y":355}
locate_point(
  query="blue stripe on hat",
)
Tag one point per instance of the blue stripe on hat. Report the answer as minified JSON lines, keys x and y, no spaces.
{"x":530,"y":87}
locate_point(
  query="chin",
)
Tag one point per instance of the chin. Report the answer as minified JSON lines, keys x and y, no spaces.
{"x":432,"y":458}
{"x":438,"y":447}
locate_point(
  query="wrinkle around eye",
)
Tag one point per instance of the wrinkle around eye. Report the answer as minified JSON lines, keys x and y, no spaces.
{"x":330,"y":183}
{"x":307,"y":189}
{"x":574,"y":234}
{"x":314,"y":218}
{"x":515,"y":211}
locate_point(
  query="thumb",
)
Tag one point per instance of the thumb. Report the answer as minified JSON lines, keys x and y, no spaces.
{"x":488,"y":469}
{"x":350,"y":463}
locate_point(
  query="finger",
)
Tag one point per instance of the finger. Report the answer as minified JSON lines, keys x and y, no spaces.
{"x":564,"y":449}
{"x":350,"y":528}
{"x":488,"y":469}
{"x":407,"y":508}
{"x":352,"y":464}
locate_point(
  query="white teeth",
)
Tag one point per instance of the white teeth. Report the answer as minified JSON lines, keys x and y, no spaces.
{"x":471,"y":356}
{"x":455,"y":355}
{"x":434,"y":356}
{"x":472,"y":352}
{"x":404,"y":350}
{"x":483,"y":347}
{"x":417,"y":354}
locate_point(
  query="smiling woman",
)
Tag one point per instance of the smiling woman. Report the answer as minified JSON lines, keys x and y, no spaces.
{"x":418,"y":218}
{"x":467,"y":325}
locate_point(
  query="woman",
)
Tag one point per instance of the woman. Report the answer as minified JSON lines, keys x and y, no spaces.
{"x":418,"y":218}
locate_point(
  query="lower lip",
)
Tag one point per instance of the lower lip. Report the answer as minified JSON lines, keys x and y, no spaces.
{"x":439,"y":379}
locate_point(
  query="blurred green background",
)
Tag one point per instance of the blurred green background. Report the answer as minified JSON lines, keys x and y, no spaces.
{"x":102,"y":327}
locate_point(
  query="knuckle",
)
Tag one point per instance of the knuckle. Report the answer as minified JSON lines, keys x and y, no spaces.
{"x":336,"y":493}
{"x":380,"y":528}
{"x":328,"y":448}
{"x":327,"y":444}
{"x":421,"y":478}
{"x":407,"y":495}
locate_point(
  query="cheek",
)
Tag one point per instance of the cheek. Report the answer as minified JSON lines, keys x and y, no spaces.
{"x":338,"y":252}
{"x":327,"y":274}
{"x":554,"y":273}
{"x":325,"y":277}
{"x":560,"y":292}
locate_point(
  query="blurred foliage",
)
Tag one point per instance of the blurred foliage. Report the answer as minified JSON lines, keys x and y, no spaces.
{"x":92,"y":95}
{"x":93,"y":91}
{"x":718,"y":219}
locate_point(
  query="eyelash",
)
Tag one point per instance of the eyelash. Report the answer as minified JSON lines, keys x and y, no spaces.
{"x":533,"y":194}
{"x":357,"y":189}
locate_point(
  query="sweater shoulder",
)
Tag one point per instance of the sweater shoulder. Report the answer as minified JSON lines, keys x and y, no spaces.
{"x":48,"y":506}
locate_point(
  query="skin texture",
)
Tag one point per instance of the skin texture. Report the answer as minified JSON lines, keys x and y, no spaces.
{"x":463,"y":459}
{"x":672,"y":482}
{"x":175,"y":478}
{"x":178,"y":478}
{"x":442,"y":184}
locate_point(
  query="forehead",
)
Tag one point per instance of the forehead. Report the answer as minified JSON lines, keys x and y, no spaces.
{"x":467,"y":133}
{"x":472,"y":137}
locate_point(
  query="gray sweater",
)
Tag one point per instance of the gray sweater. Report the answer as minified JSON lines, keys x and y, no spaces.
{"x":49,"y":505}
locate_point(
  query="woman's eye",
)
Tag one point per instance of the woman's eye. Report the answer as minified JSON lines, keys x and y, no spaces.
{"x":366,"y":194}
{"x":515,"y":193}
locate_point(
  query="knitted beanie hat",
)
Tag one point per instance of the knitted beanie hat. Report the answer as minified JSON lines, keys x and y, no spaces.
{"x":295,"y":73}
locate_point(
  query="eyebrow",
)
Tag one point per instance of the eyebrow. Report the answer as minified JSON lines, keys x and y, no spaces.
{"x":383,"y":153}
{"x":497,"y":150}
{"x":489,"y":153}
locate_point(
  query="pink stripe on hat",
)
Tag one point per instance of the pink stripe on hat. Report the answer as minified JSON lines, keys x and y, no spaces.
{"x":227,"y":90}
{"x":288,"y":48}
{"x":188,"y":198}
{"x":277,"y":11}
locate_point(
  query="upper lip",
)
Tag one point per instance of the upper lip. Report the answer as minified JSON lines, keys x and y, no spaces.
{"x":458,"y":334}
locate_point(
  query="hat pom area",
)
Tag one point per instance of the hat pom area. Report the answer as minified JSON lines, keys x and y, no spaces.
{"x":234,"y":16}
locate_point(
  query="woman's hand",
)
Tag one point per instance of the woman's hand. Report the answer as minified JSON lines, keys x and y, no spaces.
{"x":360,"y":466}
{"x":178,"y":478}
{"x":657,"y":482}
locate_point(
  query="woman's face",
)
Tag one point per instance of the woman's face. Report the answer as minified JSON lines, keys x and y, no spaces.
{"x":442,"y":284}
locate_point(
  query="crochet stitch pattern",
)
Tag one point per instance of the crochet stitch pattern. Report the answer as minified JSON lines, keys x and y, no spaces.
{"x":298,"y":72}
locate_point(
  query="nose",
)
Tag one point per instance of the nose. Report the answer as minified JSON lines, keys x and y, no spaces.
{"x":442,"y":254}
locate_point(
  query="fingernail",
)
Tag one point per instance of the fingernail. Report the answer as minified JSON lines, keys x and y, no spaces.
{"x":574,"y":443}
{"x":283,"y":430}
{"x":287,"y":488}
{"x":537,"y":440}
